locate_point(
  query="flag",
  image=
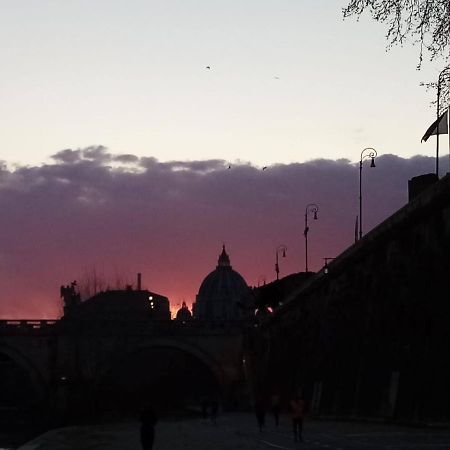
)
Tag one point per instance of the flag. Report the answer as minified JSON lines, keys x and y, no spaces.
{"x":440,"y":125}
{"x":305,"y":232}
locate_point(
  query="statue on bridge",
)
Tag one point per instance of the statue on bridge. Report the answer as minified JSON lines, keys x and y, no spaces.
{"x":69,"y":295}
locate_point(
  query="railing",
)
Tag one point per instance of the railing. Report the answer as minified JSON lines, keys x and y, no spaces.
{"x":122,"y":325}
{"x":27,"y":324}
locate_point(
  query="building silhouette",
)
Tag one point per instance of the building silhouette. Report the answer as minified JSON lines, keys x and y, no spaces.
{"x":111,"y":354}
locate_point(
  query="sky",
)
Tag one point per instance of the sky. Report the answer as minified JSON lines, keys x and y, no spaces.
{"x":290,"y":81}
{"x":116,"y":139}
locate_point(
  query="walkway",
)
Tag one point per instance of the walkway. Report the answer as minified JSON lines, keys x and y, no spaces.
{"x":238,"y":432}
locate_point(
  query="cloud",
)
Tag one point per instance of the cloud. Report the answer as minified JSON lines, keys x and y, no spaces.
{"x":168,"y":220}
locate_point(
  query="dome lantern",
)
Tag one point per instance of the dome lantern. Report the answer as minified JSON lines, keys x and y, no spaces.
{"x":224,"y":259}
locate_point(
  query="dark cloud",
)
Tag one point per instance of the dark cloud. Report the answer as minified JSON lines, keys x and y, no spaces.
{"x":126,"y":159}
{"x":96,"y":153}
{"x":168,"y":220}
{"x":67,"y":156}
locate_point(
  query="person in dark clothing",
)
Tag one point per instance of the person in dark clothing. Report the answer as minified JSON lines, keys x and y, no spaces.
{"x":214,"y":410}
{"x":260,"y":412}
{"x":275,"y":406}
{"x":148,"y":422}
{"x":297,"y":406}
{"x":204,"y":404}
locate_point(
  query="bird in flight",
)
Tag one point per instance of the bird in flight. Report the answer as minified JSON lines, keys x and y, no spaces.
{"x":229,"y":167}
{"x":208,"y":67}
{"x":277,"y":78}
{"x":264,"y":168}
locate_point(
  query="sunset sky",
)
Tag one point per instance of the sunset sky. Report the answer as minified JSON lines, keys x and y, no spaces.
{"x":116,"y":139}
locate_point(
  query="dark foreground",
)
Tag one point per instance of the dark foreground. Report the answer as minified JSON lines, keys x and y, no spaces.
{"x":238,"y":432}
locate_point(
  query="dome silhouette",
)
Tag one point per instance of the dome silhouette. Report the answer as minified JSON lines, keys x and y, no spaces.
{"x":222,"y":294}
{"x":183,"y":314}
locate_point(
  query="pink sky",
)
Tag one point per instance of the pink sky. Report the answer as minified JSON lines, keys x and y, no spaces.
{"x":118,"y":215}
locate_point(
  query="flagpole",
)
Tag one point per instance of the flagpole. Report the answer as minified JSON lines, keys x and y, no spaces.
{"x":437,"y":118}
{"x":442,"y":76}
{"x":448,"y":132}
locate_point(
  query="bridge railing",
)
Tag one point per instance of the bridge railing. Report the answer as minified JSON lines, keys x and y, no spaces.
{"x":26,"y":324}
{"x":117,"y":326}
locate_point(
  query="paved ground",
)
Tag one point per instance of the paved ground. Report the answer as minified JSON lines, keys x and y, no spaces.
{"x":238,"y":432}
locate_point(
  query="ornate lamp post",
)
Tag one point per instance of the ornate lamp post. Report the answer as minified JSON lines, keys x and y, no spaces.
{"x":283,"y":249}
{"x":311,"y":208}
{"x":368,"y":152}
{"x":325,"y":267}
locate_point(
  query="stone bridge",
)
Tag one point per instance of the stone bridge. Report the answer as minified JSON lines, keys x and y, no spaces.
{"x":92,"y":365}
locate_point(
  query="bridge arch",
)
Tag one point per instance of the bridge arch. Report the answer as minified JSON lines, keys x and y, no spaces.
{"x":36,"y":377}
{"x":24,"y":392}
{"x":167,"y":370}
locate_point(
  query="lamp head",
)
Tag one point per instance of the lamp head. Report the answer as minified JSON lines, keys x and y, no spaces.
{"x":372,"y":164}
{"x":284,"y":253}
{"x":315,"y":215}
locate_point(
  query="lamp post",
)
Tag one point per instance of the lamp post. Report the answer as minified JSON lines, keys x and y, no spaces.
{"x":311,"y":208}
{"x":325,"y":267}
{"x":443,"y":74}
{"x":261,"y":279}
{"x":368,"y":152}
{"x":283,"y":249}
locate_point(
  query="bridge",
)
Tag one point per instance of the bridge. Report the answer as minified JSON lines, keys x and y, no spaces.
{"x":79,"y":367}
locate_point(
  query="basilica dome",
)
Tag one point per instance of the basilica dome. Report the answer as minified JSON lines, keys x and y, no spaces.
{"x":183,"y":314}
{"x":223,"y":294}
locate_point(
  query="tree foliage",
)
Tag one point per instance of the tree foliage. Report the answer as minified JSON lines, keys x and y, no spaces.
{"x":427,"y":22}
{"x":424,"y":22}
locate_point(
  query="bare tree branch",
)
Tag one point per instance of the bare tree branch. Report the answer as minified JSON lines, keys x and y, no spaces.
{"x":425,"y":22}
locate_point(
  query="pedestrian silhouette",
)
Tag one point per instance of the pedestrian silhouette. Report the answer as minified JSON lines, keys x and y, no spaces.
{"x":275,"y":406}
{"x":148,"y":422}
{"x":204,"y":404}
{"x":297,"y":407}
{"x":214,"y":410}
{"x":260,"y":412}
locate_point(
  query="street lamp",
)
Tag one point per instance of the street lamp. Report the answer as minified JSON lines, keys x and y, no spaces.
{"x":310,"y":208}
{"x":444,"y":73}
{"x":283,"y":249}
{"x":368,"y":152}
{"x":325,"y":267}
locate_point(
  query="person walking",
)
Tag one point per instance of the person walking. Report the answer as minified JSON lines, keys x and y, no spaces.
{"x":148,"y":422}
{"x":275,"y":406}
{"x":297,"y":406}
{"x":214,"y":408}
{"x":260,"y":412}
{"x":204,"y":404}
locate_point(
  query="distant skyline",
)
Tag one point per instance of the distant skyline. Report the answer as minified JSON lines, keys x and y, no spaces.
{"x":117,"y":215}
{"x":289,"y":81}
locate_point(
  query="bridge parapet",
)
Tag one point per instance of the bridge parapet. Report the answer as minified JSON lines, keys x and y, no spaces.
{"x":150,"y":327}
{"x":11,"y":326}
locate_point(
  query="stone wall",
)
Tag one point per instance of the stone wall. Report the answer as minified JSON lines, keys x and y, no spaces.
{"x":370,"y":338}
